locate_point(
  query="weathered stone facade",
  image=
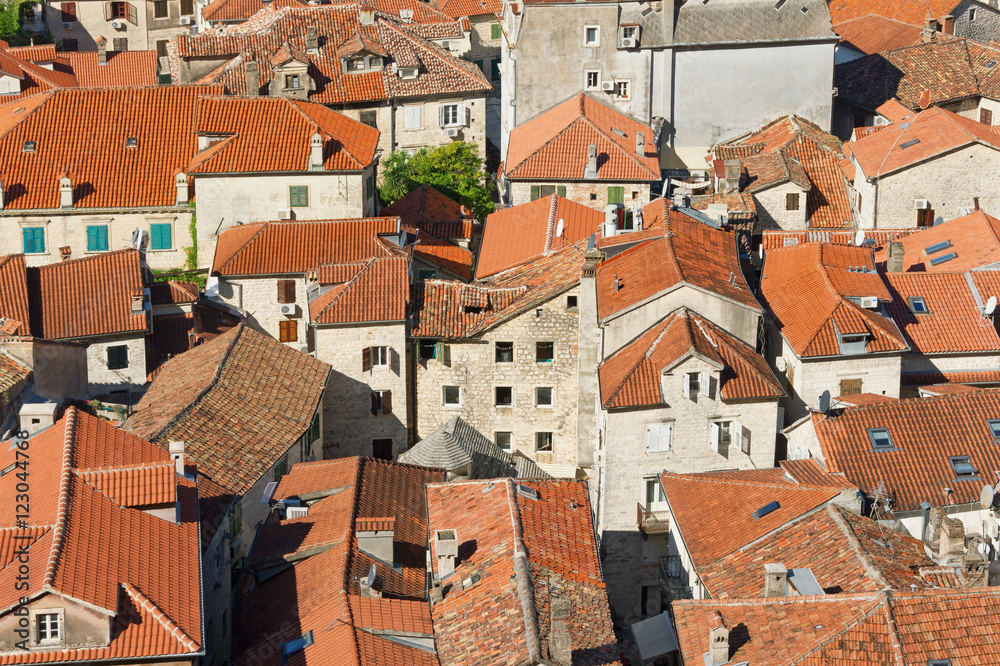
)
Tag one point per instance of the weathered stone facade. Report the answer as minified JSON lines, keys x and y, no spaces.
{"x":103,"y":380}
{"x":139,"y":26}
{"x":589,"y":193}
{"x":982,"y":25}
{"x":258,"y":297}
{"x":773,"y":211}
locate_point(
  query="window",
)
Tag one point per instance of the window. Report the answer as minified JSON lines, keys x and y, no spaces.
{"x":379,"y":356}
{"x":412,"y":116}
{"x":504,"y":440}
{"x":656,"y":499}
{"x":630,"y":32}
{"x":622,"y":89}
{"x":544,"y":396}
{"x":504,"y":352}
{"x":495,"y":31}
{"x":495,"y":71}
{"x":452,"y":396}
{"x":925,"y":217}
{"x":299,"y":644}
{"x":48,"y":629}
{"x":850,"y":386}
{"x":571,"y":303}
{"x":187,"y":7}
{"x":381,"y":402}
{"x":286,"y":291}
{"x":972,"y":15}
{"x":356,"y":65}
{"x":918,"y":305}
{"x":543,"y":441}
{"x":97,"y":238}
{"x":281,"y":468}
{"x":34,"y":240}
{"x":994,"y":429}
{"x":541,"y":191}
{"x":160,"y":9}
{"x":986,"y":116}
{"x":119,"y":10}
{"x":314,"y":429}
{"x":651,"y":602}
{"x":369,"y":118}
{"x":288,"y":330}
{"x":481,"y":64}
{"x":880,"y":439}
{"x":161,"y":236}
{"x":119,"y":44}
{"x":298,"y":196}
{"x":693,"y":383}
{"x":593,"y":80}
{"x":616,"y":195}
{"x":161,"y":48}
{"x":544,"y":352}
{"x":792,"y":201}
{"x":503,"y":396}
{"x":236,"y":520}
{"x":427,"y":349}
{"x":592,"y":35}
{"x":962,"y":466}
{"x":725,"y":432}
{"x":451,"y":114}
{"x":659,"y":438}
{"x":381,"y":449}
{"x":292,"y":81}
{"x":69,"y":13}
{"x":117,"y":357}
{"x":427,"y":274}
{"x":70,"y":45}
{"x":943,"y":258}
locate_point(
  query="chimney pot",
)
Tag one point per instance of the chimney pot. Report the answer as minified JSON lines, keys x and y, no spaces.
{"x":896,"y":257}
{"x":102,"y":51}
{"x":928,"y":34}
{"x":718,"y":640}
{"x":775,"y":580}
{"x":65,"y":192}
{"x":182,"y":188}
{"x":640,"y":143}
{"x":253,"y":79}
{"x":312,"y":42}
{"x":316,"y":153}
{"x":176,"y":450}
{"x":948,"y":24}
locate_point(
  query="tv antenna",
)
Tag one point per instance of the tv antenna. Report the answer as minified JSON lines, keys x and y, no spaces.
{"x":859,"y":238}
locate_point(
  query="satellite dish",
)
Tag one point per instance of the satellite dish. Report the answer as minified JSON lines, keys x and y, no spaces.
{"x":372,"y":574}
{"x":983,"y":548}
{"x":559,"y":228}
{"x":986,"y":496}
{"x":859,"y":237}
{"x":991,"y":305}
{"x":824,"y":402}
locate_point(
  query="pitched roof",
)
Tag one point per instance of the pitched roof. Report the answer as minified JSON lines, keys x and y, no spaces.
{"x":274,"y":248}
{"x":173,"y":292}
{"x":771,"y":239}
{"x":631,"y":376}
{"x":553,"y":145}
{"x":285,"y":126}
{"x":930,"y":133}
{"x":11,"y":373}
{"x":431,"y":211}
{"x":375,"y":290}
{"x":176,"y":333}
{"x":909,"y":11}
{"x":323,"y":585}
{"x":873,"y":33}
{"x":449,"y":257}
{"x":974,"y":239}
{"x":15,"y":317}
{"x":793,"y":148}
{"x":457,"y":443}
{"x":140,"y":570}
{"x":743,"y":21}
{"x":235,"y":11}
{"x":460,"y":8}
{"x":123,"y":69}
{"x":516,"y":235}
{"x":239,"y":402}
{"x":827,"y":276}
{"x":528,"y":552}
{"x":924,"y":433}
{"x":407,"y":44}
{"x":685,"y":252}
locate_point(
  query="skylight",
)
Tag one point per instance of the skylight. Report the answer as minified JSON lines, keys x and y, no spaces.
{"x":943,"y":258}
{"x":764,"y":510}
{"x":917,"y":305}
{"x":131,"y":142}
{"x":880,"y":439}
{"x":995,"y":429}
{"x":907,"y":144}
{"x":937,"y":247}
{"x":962,"y":466}
{"x":29,"y":146}
{"x":991,"y":64}
{"x":297,"y":644}
{"x":779,"y":4}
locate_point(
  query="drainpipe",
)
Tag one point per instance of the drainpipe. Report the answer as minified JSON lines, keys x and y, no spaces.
{"x":392,"y":124}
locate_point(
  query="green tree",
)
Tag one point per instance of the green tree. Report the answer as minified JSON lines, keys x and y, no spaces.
{"x":455,"y":169}
{"x":10,"y":20}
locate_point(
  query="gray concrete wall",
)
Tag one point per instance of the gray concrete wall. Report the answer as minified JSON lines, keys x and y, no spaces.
{"x":60,"y":368}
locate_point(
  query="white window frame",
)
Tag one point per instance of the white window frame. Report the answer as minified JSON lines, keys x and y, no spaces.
{"x":597,"y":35}
{"x":380,"y":357}
{"x":658,"y":437}
{"x":586,"y":79}
{"x":715,"y":434}
{"x":35,"y":619}
{"x":413,"y":117}
{"x":660,"y":503}
{"x":444,"y":397}
{"x":552,"y":441}
{"x":452,"y":115}
{"x":552,"y":397}
{"x":623,"y":85}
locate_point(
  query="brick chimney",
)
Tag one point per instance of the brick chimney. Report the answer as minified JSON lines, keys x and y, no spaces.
{"x":775,"y":580}
{"x":312,"y":42}
{"x":929,"y":32}
{"x":948,"y":24}
{"x":732,"y":171}
{"x":375,"y":537}
{"x":102,"y":50}
{"x":446,"y":551}
{"x":253,"y":79}
{"x":181,"y":182}
{"x":718,"y":640}
{"x":590,"y":173}
{"x":176,"y":450}
{"x":560,"y":640}
{"x":65,"y":192}
{"x":952,"y":545}
{"x":316,"y":153}
{"x":896,"y":256}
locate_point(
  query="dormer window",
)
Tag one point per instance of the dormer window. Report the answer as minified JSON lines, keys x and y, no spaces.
{"x":853,"y":343}
{"x":48,"y":627}
{"x":364,"y":63}
{"x":356,"y":65}
{"x":408,"y":72}
{"x":291,"y":81}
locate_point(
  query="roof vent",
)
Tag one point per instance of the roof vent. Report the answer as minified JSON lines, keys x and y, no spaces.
{"x":908,"y":144}
{"x":764,"y":510}
{"x":446,"y":549}
{"x":29,"y":147}
{"x":131,"y":142}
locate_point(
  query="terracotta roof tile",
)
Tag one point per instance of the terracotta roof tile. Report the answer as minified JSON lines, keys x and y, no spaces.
{"x":11,"y":373}
{"x":973,"y":238}
{"x":909,"y":11}
{"x":970,"y":377}
{"x":173,"y":291}
{"x":447,"y":256}
{"x":235,"y":11}
{"x":122,"y":69}
{"x":809,"y":472}
{"x":432,"y":212}
{"x":873,"y":33}
{"x":135,"y":486}
{"x":460,"y":8}
{"x":553,"y":145}
{"x":14,"y":307}
{"x":175,"y":334}
{"x":378,"y":291}
{"x":772,"y":239}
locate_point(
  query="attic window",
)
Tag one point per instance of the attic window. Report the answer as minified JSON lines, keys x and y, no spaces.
{"x":297,"y":644}
{"x":991,"y":64}
{"x":943,"y":258}
{"x":131,"y":142}
{"x":805,"y":10}
{"x":994,"y":428}
{"x":939,"y":662}
{"x":764,"y":510}
{"x":880,"y":439}
{"x":617,"y":131}
{"x":356,"y":65}
{"x":917,"y":305}
{"x":526,"y":491}
{"x":937,"y":247}
{"x":962,"y":466}
{"x":907,"y":144}
{"x":29,"y":146}
{"x":8,"y":469}
{"x":779,"y":4}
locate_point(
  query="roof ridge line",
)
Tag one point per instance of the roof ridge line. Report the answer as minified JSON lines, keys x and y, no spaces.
{"x":849,"y":625}
{"x":687,"y":476}
{"x":59,"y":526}
{"x":628,"y":153}
{"x":350,"y":283}
{"x":648,"y":353}
{"x":510,"y":170}
{"x":522,"y":579}
{"x":263,"y":226}
{"x":172,"y":627}
{"x":550,"y":227}
{"x":857,"y":547}
{"x":84,"y":471}
{"x":425,"y":44}
{"x":890,"y":617}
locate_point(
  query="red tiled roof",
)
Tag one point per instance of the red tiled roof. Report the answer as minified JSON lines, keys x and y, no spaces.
{"x":771,"y":239}
{"x":11,"y":373}
{"x":974,"y":238}
{"x":460,"y":8}
{"x":123,"y":69}
{"x":15,"y":318}
{"x":553,"y":145}
{"x":809,"y":472}
{"x":39,"y":53}
{"x":893,"y":111}
{"x":972,"y":377}
{"x":407,"y":44}
{"x":631,"y":376}
{"x":172,"y":292}
{"x":686,"y":253}
{"x":235,"y":11}
{"x":908,"y":11}
{"x":924,"y":432}
{"x":175,"y":334}
{"x":136,"y":486}
{"x":447,"y":256}
{"x":275,"y":248}
{"x":873,"y":33}
{"x":516,"y":235}
{"x":377,"y":291}
{"x":428,"y":210}
{"x":144,"y":571}
{"x":286,"y":127}
{"x":527,"y":551}
{"x":825,"y":276}
{"x":946,"y":389}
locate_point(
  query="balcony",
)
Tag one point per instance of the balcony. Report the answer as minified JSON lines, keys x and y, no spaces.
{"x":652,"y":522}
{"x":673,"y":578}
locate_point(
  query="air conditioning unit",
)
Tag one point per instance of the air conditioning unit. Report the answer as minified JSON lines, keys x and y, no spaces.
{"x":296,"y":512}
{"x":284,"y":213}
{"x":452,"y":132}
{"x":921,"y":204}
{"x":881,"y":120}
{"x":67,"y":26}
{"x":869,"y":302}
{"x":406,"y":14}
{"x":628,"y":42}
{"x":118,"y":24}
{"x":185,"y":20}
{"x":288,"y":309}
{"x":608,"y":86}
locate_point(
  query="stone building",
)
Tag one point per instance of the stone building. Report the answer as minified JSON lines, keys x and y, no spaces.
{"x":244,"y":423}
{"x":585,"y":150}
{"x":129,"y":26}
{"x":401,"y":74}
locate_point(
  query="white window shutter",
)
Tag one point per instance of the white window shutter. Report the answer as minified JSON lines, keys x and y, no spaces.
{"x":745,"y":440}
{"x":738,"y":434}
{"x":706,"y":385}
{"x":687,"y":385}
{"x":715,"y":437}
{"x":441,"y":116}
{"x":461,"y":114}
{"x":665,"y":434}
{"x":651,"y":442}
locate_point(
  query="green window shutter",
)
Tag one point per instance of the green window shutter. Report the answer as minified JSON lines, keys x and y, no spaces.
{"x":298,"y":196}
{"x":160,"y":237}
{"x":28,"y":236}
{"x":91,"y":239}
{"x":102,"y":238}
{"x":561,"y":190}
{"x":495,"y":70}
{"x":481,"y":64}
{"x":616,"y":195}
{"x":534,"y":192}
{"x":34,"y":240}
{"x":97,"y":238}
{"x":495,"y":31}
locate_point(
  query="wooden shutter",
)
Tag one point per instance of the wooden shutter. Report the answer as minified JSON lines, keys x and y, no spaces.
{"x":286,"y":291}
{"x":68,"y":12}
{"x":737,"y":434}
{"x":714,"y":436}
{"x":986,"y":116}
{"x":706,"y":384}
{"x":374,"y":403}
{"x":133,"y":14}
{"x":102,"y":238}
{"x":461,"y":115}
{"x":366,"y":359}
{"x":108,"y":11}
{"x":534,"y":192}
{"x":387,"y":402}
{"x":495,"y":31}
{"x":441,"y":115}
{"x":686,"y":391}
{"x":745,"y":439}
{"x":561,"y":190}
{"x":616,"y":195}
{"x":91,"y":239}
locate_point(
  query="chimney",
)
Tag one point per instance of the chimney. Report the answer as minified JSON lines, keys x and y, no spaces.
{"x":316,"y":153}
{"x":181,"y":181}
{"x":312,"y":43}
{"x":718,"y":640}
{"x":1,"y":195}
{"x":588,"y":355}
{"x":640,"y":143}
{"x":366,"y":13}
{"x":948,"y":24}
{"x":176,"y":449}
{"x":775,"y":580}
{"x":591,"y":171}
{"x":932,"y":529}
{"x":446,"y":550}
{"x":732,"y":170}
{"x":102,"y":51}
{"x":65,"y":192}
{"x":65,"y":252}
{"x":560,"y":641}
{"x":253,"y":79}
{"x":975,"y":203}
{"x":896,"y":255}
{"x":929,"y":32}
{"x":952,"y":546}
{"x":375,"y":537}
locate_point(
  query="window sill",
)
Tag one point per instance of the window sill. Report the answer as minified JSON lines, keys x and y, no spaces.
{"x":543,"y":450}
{"x":94,"y":251}
{"x":545,"y":406}
{"x":451,"y":407}
{"x":504,"y":406}
{"x":168,"y":249}
{"x":37,"y":254}
{"x":412,"y":129}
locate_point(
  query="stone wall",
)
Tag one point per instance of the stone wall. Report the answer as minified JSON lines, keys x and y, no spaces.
{"x":771,"y":207}
{"x":258,"y":297}
{"x":593,"y":194}
{"x":472,"y":367}
{"x":102,"y":380}
{"x":985,"y":27}
{"x":60,"y":368}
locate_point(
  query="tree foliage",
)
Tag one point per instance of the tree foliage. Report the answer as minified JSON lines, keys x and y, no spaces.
{"x":10,"y":19}
{"x":455,"y":169}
